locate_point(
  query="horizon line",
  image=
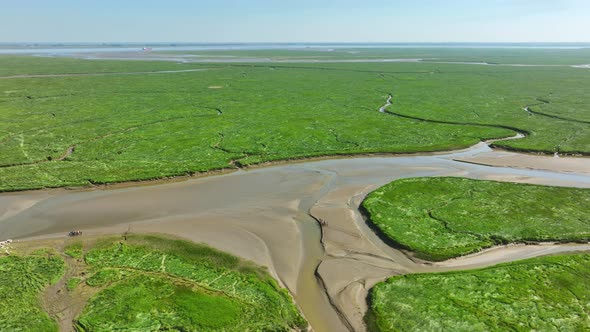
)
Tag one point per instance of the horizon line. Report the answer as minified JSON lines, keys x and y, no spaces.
{"x":290,"y":42}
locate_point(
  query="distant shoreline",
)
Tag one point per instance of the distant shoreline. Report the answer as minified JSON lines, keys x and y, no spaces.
{"x":48,"y":47}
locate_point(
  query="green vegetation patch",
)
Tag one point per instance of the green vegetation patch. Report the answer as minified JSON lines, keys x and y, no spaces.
{"x":22,"y":279}
{"x":144,"y":283}
{"x":160,"y":284}
{"x":103,"y":277}
{"x":75,"y":249}
{"x":156,"y":303}
{"x":72,"y":283}
{"x":442,"y":218}
{"x":542,"y":294}
{"x":79,"y":130}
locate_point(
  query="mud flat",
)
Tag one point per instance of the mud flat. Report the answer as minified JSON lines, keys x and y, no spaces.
{"x":269,"y":215}
{"x":518,"y":160}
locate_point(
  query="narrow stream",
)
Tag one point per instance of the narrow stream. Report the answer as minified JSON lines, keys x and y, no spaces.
{"x":310,"y":295}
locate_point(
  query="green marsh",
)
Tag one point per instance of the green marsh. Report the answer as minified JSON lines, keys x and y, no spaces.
{"x":541,"y":294}
{"x":142,"y":283}
{"x":82,"y":130}
{"x":442,"y":218}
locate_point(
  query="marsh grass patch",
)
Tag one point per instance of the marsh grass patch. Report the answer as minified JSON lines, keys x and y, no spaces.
{"x":22,"y":281}
{"x":139,"y":282}
{"x":540,"y":294}
{"x":442,"y":218}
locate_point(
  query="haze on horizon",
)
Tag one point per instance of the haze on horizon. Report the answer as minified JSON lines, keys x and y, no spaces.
{"x":295,"y":21}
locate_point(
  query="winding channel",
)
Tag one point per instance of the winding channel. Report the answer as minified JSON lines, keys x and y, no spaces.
{"x":269,"y":215}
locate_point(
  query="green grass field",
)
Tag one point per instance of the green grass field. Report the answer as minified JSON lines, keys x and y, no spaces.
{"x":542,"y":294}
{"x":145,"y":283}
{"x":157,"y":284}
{"x":442,"y":218}
{"x":89,"y":129}
{"x":22,"y":280}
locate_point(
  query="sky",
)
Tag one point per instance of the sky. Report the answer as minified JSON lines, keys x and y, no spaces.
{"x":295,"y":21}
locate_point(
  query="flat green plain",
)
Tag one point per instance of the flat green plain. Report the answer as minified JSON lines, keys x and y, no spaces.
{"x":542,"y":294}
{"x":78,"y":130}
{"x":446,"y":217}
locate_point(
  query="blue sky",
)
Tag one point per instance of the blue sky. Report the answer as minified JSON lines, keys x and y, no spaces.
{"x":295,"y":21}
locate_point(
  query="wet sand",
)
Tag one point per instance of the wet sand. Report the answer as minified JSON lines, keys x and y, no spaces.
{"x":519,"y":160}
{"x":267,"y":215}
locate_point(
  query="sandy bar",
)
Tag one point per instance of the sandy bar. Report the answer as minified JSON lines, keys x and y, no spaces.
{"x":509,"y":159}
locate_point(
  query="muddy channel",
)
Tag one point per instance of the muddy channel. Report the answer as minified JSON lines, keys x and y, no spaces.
{"x":269,"y":215}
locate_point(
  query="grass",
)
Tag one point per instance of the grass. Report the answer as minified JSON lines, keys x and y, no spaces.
{"x":152,"y":303}
{"x":83,"y":130}
{"x":28,"y":65}
{"x":103,"y":277}
{"x":442,"y":218}
{"x":74,"y":249}
{"x":143,"y":283}
{"x":158,"y":284}
{"x":22,"y":281}
{"x":541,"y":294}
{"x":72,"y":283}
